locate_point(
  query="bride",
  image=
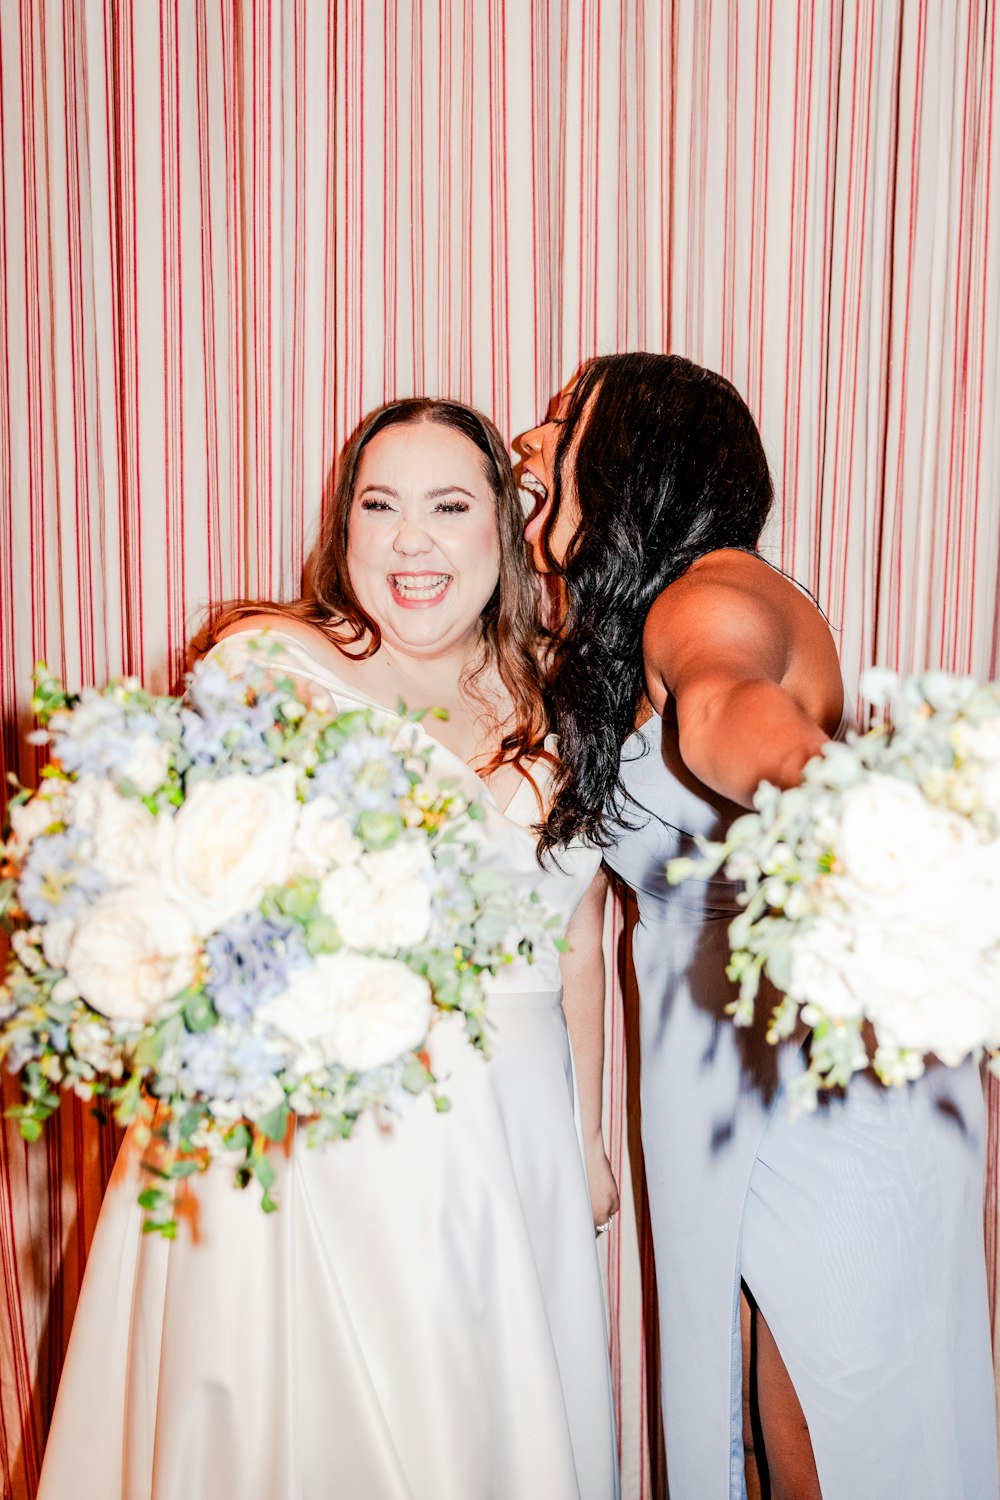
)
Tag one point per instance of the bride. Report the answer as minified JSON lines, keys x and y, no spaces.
{"x":422,"y":1319}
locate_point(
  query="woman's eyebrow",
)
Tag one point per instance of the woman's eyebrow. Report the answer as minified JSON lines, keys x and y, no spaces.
{"x":380,"y":489}
{"x":448,"y":489}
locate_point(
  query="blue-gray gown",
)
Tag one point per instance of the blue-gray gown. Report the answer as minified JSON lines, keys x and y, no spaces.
{"x":858,"y":1229}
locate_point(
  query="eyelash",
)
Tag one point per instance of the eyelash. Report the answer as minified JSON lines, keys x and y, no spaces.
{"x":444,"y":507}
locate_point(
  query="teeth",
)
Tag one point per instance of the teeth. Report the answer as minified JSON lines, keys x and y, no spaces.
{"x":533,"y":484}
{"x":422,"y":585}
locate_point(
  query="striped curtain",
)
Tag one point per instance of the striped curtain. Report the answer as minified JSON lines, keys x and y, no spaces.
{"x":229,"y":229}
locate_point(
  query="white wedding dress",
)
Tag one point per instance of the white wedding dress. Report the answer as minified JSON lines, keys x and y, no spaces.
{"x":422,"y":1319}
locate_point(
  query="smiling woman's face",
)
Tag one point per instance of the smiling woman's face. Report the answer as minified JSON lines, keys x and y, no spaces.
{"x":423,"y":550}
{"x":538,"y":477}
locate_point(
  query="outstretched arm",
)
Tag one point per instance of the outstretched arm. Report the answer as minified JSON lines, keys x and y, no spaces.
{"x":732,"y":647}
{"x":583,"y":1006}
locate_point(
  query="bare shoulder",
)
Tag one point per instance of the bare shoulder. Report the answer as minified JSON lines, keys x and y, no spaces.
{"x":722,"y":595}
{"x":273,"y":620}
{"x":733,"y":614}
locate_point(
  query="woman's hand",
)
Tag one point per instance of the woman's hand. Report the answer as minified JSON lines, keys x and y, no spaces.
{"x":604,"y":1202}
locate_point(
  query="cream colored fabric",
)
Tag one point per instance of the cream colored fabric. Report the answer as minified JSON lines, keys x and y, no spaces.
{"x":421,"y":1320}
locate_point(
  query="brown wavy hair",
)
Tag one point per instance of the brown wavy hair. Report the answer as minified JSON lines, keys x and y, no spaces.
{"x":509,"y":621}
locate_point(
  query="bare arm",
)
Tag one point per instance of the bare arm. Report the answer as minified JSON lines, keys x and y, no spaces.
{"x":583,"y":1005}
{"x":732,"y":646}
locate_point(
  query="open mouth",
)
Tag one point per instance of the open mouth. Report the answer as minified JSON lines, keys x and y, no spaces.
{"x":419,"y":588}
{"x":533,"y":492}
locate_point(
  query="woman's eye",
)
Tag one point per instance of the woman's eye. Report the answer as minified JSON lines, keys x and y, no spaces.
{"x":372,"y":504}
{"x":452,"y":507}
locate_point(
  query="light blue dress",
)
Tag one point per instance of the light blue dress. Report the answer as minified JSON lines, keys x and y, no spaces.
{"x":858,"y":1229}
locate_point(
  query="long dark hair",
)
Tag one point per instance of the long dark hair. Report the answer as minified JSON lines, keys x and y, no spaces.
{"x":508,"y":624}
{"x":668,"y":466}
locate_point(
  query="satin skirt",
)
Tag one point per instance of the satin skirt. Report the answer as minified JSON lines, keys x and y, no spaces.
{"x":422,"y":1319}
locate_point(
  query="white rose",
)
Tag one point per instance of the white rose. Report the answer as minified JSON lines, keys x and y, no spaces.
{"x":126,"y":837}
{"x":231,"y":839}
{"x":147,"y":765}
{"x":47,"y":806}
{"x":384,"y":901}
{"x":323,"y":839}
{"x":889,"y":833}
{"x":133,"y":950}
{"x":353,"y":1011}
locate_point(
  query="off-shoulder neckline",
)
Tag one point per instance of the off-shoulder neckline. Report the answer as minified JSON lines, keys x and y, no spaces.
{"x":362,"y":697}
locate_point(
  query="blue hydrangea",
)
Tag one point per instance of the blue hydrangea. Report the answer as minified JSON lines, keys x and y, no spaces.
{"x":56,"y":879}
{"x":221,"y":727}
{"x":227,"y":1063}
{"x":365,"y":775}
{"x":96,"y":737}
{"x":251,"y":959}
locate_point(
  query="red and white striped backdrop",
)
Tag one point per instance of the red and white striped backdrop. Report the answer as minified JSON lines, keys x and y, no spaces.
{"x":229,"y":229}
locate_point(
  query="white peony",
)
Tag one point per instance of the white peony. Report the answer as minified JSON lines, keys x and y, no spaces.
{"x":353,"y":1011}
{"x":133,"y":950}
{"x":230,"y":840}
{"x":323,"y":840}
{"x":889,"y":832}
{"x":47,"y":806}
{"x":147,"y":765}
{"x":127,"y":839}
{"x":384,"y":901}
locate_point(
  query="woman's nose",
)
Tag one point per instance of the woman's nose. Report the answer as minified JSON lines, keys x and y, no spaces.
{"x":411,"y":537}
{"x":528,"y":442}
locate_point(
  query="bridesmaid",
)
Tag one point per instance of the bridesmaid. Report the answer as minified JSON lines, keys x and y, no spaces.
{"x":845,"y":1247}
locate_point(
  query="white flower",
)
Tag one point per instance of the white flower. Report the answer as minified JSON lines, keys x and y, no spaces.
{"x":353,"y":1011}
{"x":56,"y":938}
{"x":231,"y":839}
{"x":47,"y":806}
{"x":384,"y":901}
{"x":133,"y":950}
{"x":26,"y":945}
{"x":126,"y":837}
{"x":981,"y":743}
{"x":147,"y":765}
{"x":323,"y":840}
{"x":93,"y":1044}
{"x":889,"y":832}
{"x":251,"y":1107}
{"x":822,"y":972}
{"x":920,"y":955}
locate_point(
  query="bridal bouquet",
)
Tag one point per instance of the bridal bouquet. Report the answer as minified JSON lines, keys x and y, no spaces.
{"x":234,"y":908}
{"x":871,"y":892}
